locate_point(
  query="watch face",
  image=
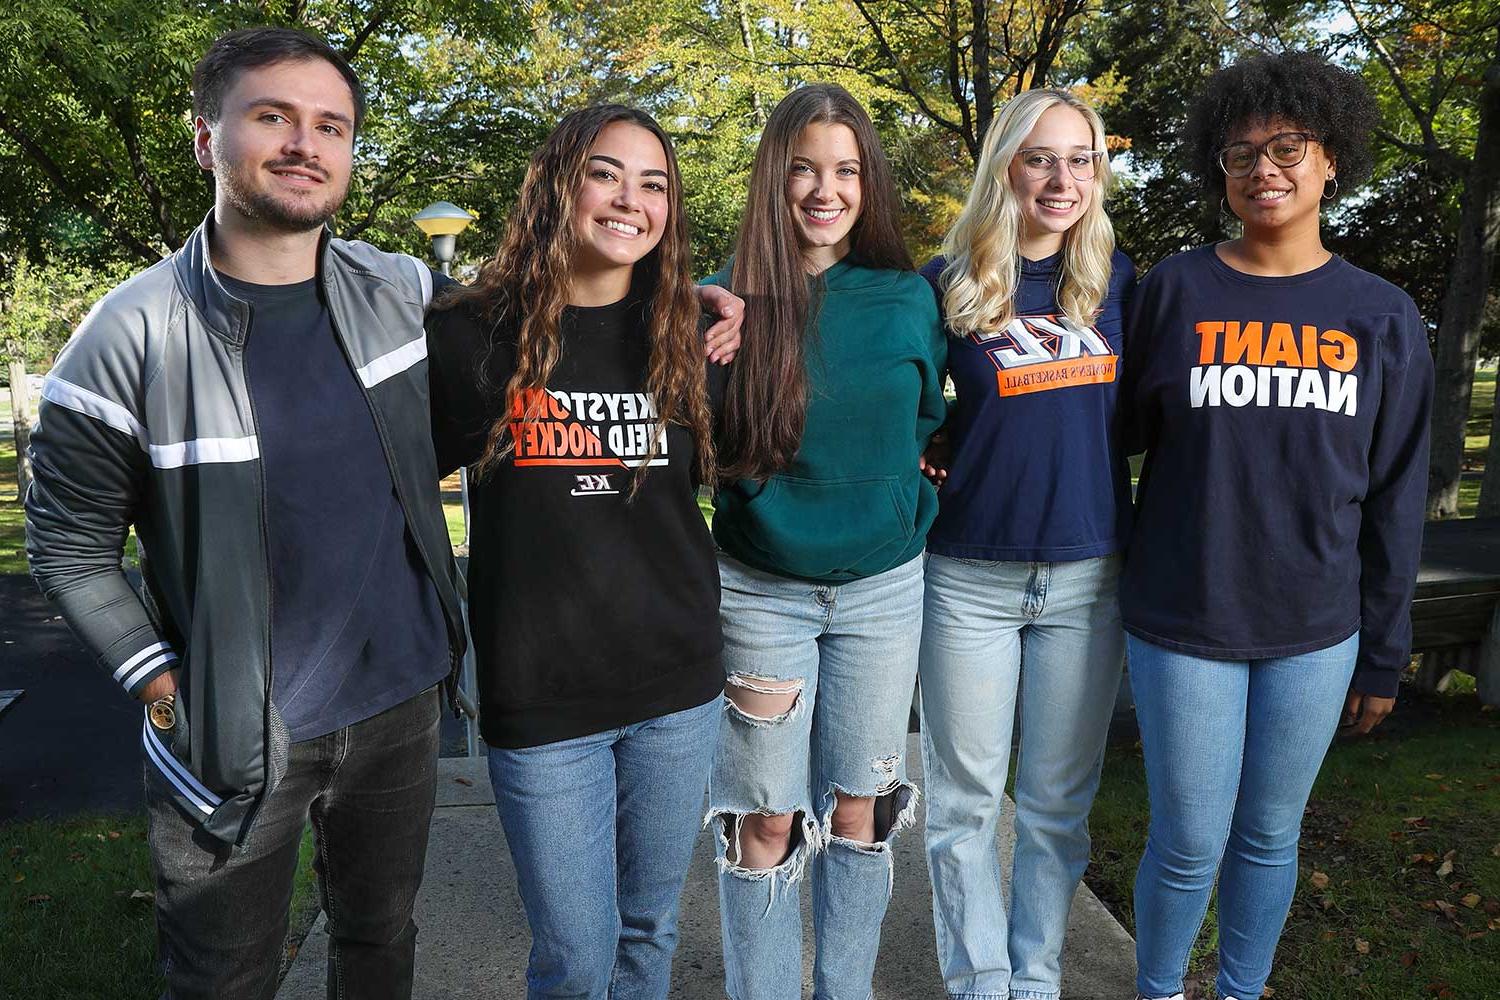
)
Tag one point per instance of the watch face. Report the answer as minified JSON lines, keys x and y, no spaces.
{"x":163,"y":715}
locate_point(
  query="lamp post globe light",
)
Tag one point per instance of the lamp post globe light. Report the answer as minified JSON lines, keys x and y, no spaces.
{"x":442,"y":221}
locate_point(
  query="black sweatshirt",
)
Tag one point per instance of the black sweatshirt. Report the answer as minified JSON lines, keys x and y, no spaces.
{"x":589,"y":609}
{"x":1285,"y":426}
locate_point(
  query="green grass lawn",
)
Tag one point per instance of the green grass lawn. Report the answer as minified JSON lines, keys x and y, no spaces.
{"x":76,"y":909}
{"x":1399,"y":888}
{"x":1476,"y":439}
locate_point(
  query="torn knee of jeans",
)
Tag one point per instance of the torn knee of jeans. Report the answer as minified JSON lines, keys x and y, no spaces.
{"x":895,"y":805}
{"x":761,"y":701}
{"x":727,"y":831}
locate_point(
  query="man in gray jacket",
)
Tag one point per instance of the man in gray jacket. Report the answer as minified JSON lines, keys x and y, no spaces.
{"x":255,"y":406}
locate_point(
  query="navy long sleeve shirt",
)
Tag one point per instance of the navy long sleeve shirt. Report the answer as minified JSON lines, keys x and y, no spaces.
{"x":1285,"y":424}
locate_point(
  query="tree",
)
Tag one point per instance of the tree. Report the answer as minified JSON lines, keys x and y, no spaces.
{"x":1437,"y":64}
{"x":95,"y":121}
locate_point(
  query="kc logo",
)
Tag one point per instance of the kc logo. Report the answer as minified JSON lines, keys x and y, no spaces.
{"x":593,"y":486}
{"x":1037,"y":353}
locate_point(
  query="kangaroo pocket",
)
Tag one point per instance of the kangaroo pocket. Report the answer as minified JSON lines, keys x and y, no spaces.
{"x":830,"y":528}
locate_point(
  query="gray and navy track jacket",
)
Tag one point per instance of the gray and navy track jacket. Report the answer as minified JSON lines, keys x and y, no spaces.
{"x":146,"y":420}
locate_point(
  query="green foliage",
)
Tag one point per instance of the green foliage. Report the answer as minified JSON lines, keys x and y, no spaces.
{"x":42,"y":304}
{"x":95,"y":120}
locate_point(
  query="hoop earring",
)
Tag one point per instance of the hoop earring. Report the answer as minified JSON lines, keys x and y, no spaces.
{"x":1329,"y":195}
{"x":1224,"y":206}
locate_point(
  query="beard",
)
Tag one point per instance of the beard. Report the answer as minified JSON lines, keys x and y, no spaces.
{"x":291,"y":212}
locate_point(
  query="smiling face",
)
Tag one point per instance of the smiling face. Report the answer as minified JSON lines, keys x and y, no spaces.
{"x":824,"y":191}
{"x":1272,"y":198}
{"x":1051,"y":204}
{"x":283,"y":147}
{"x":622,"y":209}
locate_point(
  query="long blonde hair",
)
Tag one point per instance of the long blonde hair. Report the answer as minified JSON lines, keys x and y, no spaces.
{"x":983,"y":269}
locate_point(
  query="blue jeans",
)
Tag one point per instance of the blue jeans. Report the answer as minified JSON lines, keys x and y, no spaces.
{"x":1232,"y":748}
{"x":1051,"y":630}
{"x":851,"y":649}
{"x":601,"y":829}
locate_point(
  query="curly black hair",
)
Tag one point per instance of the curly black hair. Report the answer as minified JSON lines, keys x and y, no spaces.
{"x":1301,"y":88}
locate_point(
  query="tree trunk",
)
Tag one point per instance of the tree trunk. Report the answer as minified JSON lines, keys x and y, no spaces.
{"x":20,"y":412}
{"x":1463,"y":307}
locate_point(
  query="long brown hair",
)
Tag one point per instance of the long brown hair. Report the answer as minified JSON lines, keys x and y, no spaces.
{"x":765,"y":408}
{"x":526,"y":283}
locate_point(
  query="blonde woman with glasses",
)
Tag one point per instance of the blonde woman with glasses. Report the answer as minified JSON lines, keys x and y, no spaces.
{"x":1020,"y":586}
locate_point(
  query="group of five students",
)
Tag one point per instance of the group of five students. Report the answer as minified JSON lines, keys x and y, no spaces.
{"x":627,"y":657}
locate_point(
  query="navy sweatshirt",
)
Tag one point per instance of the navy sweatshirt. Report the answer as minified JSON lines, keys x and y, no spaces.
{"x":1038,"y":472}
{"x":1284,"y":421}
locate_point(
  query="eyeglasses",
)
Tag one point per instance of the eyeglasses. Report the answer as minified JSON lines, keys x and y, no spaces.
{"x":1286,"y":149}
{"x":1040,"y":163}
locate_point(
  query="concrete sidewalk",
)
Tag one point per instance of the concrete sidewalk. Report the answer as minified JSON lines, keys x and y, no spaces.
{"x":474,"y":940}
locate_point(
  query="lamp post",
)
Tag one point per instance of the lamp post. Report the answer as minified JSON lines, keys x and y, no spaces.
{"x":442,"y":221}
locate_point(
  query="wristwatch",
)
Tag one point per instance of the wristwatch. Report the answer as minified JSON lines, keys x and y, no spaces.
{"x":163,"y":712}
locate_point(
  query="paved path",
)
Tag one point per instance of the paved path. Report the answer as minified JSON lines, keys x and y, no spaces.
{"x":72,"y":744}
{"x":474,"y":940}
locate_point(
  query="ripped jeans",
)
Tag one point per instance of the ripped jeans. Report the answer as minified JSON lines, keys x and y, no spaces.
{"x":850,"y":653}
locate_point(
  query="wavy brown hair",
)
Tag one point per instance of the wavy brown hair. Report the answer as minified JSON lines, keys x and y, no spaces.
{"x":525,"y":285}
{"x":765,"y":407}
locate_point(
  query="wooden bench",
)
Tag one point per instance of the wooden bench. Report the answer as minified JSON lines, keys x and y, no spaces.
{"x":1455,"y":615}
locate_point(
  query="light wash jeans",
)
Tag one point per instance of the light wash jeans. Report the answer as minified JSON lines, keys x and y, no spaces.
{"x":1053,"y":631}
{"x":601,"y":829}
{"x":1232,"y":748}
{"x":852,"y":649}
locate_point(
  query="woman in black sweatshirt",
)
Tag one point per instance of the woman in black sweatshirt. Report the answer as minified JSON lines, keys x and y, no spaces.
{"x":571,"y":374}
{"x":1281,"y":396}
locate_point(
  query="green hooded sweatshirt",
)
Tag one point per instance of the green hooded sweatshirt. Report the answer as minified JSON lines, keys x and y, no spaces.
{"x":852,"y":503}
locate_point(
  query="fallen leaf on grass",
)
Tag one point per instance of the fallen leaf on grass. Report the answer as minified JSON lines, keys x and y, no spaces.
{"x":1408,"y":959}
{"x":1441,"y":990}
{"x":114,"y":835}
{"x":142,"y":894}
{"x":76,"y":856}
{"x":1495,"y":851}
{"x":1446,"y":868}
{"x":1447,"y":909}
{"x":1475,"y":935}
{"x":1319,"y":880}
{"x":1362,"y":946}
{"x":40,"y":897}
{"x":18,"y":877}
{"x":1433,"y":777}
{"x":1471,"y":900}
{"x":1330,"y":935}
{"x":464,"y":781}
{"x":1425,"y":858}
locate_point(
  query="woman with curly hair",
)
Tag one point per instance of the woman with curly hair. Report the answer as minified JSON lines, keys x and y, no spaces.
{"x":571,"y":373}
{"x":1281,"y":396}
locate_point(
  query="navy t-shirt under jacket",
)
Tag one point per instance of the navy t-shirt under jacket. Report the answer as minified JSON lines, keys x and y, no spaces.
{"x":1280,"y":506}
{"x":1038,"y":472}
{"x":356,"y":626}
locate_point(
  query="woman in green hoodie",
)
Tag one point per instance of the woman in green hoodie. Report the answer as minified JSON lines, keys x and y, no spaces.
{"x":821,"y":525}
